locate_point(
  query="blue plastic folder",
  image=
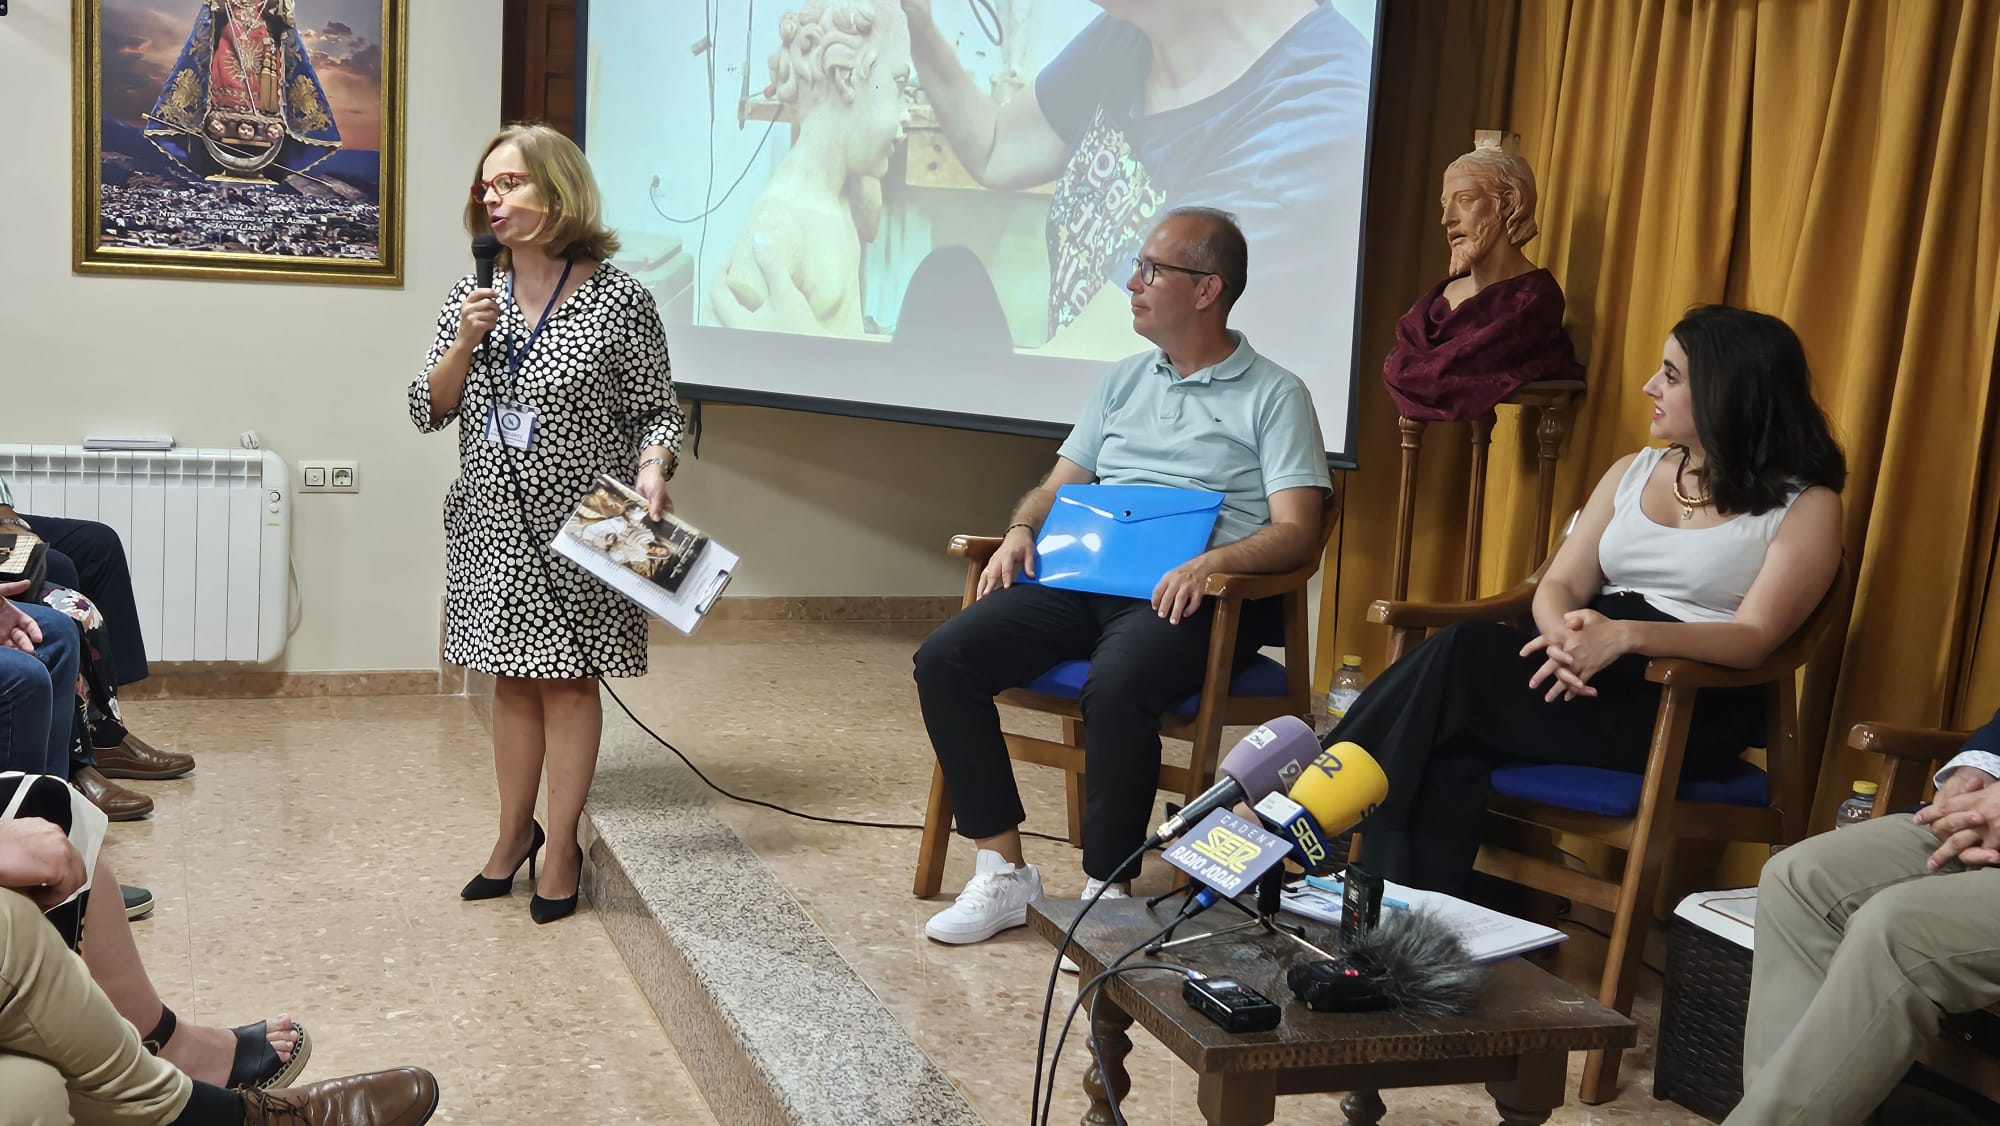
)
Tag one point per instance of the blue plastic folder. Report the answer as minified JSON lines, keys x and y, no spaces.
{"x":1119,"y":539}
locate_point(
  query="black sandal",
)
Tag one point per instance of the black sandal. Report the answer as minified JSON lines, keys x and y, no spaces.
{"x":257,"y":1065}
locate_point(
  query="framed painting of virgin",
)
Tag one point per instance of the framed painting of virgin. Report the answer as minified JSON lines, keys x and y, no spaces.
{"x":241,"y":139}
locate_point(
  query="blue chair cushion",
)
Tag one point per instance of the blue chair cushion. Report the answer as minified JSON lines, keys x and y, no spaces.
{"x":1614,"y":793}
{"x":1259,"y":676}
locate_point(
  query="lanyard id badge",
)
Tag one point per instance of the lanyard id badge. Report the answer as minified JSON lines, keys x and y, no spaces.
{"x":511,"y":425}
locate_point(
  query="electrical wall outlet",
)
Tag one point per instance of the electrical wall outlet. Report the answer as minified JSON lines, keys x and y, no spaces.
{"x":327,"y":475}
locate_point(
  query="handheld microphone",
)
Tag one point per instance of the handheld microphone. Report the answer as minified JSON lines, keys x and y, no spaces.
{"x":485,"y":250}
{"x":1266,"y":760}
{"x":1412,"y":960}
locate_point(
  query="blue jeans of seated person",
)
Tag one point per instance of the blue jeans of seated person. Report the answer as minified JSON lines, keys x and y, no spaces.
{"x":37,"y":697}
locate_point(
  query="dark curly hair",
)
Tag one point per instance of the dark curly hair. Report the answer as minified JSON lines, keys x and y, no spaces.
{"x":1765,"y":435}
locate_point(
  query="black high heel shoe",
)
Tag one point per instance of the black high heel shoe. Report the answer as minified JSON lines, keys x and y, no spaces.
{"x":543,"y":910}
{"x":488,"y":887}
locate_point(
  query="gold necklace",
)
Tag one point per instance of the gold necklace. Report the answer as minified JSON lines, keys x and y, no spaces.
{"x":1688,"y":503}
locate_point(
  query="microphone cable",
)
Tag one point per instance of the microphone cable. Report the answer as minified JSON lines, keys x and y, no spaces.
{"x":774,"y":806}
{"x":1055,"y":971}
{"x":1094,"y":989}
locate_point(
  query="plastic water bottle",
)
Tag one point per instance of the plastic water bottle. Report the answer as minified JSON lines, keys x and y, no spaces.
{"x":1348,"y":682}
{"x":1859,"y":806}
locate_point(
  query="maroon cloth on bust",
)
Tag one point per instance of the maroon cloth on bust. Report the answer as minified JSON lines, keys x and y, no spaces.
{"x":1453,"y":364}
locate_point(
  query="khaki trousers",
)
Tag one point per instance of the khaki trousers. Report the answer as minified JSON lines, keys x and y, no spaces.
{"x":65,"y":1054}
{"x":1860,"y":954}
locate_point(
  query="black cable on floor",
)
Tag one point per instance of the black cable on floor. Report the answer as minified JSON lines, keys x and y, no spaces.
{"x":706,"y":781}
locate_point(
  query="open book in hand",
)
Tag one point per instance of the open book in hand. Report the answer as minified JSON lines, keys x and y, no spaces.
{"x":667,"y":566}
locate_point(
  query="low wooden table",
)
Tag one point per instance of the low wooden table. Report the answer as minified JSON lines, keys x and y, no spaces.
{"x":1517,"y":1043}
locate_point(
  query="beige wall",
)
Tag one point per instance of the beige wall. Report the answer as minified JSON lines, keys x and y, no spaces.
{"x":816,"y":505}
{"x":824,"y":505}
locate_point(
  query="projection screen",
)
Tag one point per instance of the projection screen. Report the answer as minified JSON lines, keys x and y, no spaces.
{"x":928,"y":210}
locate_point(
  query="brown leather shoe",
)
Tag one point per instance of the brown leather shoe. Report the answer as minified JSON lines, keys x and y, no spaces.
{"x":406,"y":1096}
{"x":135,"y":758}
{"x":117,"y":802}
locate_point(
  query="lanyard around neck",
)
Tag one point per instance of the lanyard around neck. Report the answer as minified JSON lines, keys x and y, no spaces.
{"x":518,"y":357}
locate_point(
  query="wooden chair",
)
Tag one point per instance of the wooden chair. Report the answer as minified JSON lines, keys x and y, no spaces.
{"x":1259,"y":690}
{"x":1967,"y":1049}
{"x":1640,"y":814}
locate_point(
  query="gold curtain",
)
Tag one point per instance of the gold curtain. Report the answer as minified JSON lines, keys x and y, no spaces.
{"x":1836,"y":163}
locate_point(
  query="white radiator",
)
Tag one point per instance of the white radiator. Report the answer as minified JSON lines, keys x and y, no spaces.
{"x":207,"y":532}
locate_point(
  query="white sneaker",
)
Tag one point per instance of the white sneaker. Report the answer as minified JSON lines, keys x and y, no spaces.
{"x":1120,"y":890}
{"x":995,"y":899}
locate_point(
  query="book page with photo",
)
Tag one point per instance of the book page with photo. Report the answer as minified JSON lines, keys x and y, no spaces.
{"x":668,"y":566}
{"x":612,"y":518}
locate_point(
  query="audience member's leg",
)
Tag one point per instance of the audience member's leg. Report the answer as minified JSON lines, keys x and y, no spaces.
{"x":26,"y":698}
{"x":62,"y":570}
{"x":36,"y":1094}
{"x":50,"y":1009}
{"x":204,"y":1052}
{"x":57,"y":651}
{"x":1860,"y":953}
{"x":1144,"y":665}
{"x":102,"y":574}
{"x":1001,"y":641}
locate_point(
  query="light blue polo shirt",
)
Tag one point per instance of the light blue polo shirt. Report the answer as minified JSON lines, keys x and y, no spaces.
{"x":1243,"y":427}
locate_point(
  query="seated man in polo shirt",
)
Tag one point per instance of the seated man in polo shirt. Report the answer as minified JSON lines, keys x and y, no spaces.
{"x":1201,"y":411}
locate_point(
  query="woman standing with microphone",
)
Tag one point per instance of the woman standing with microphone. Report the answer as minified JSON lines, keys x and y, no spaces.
{"x":555,"y":374}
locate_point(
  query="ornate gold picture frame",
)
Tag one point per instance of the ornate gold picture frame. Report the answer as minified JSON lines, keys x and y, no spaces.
{"x":239,"y":139}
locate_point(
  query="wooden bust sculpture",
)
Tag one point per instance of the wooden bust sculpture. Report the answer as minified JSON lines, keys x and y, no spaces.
{"x":1496,"y":322}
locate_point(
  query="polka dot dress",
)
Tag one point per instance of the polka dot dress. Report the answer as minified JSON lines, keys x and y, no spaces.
{"x":599,"y":385}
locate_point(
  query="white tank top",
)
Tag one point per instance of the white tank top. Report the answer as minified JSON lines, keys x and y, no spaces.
{"x":1694,"y":574}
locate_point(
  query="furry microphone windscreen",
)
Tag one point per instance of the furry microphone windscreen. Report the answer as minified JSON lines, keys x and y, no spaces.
{"x":1417,"y":958}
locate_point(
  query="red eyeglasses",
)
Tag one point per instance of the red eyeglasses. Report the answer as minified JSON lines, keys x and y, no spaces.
{"x":503,"y":185}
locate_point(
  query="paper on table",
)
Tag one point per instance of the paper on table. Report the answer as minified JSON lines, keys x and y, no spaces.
{"x":1488,"y":935}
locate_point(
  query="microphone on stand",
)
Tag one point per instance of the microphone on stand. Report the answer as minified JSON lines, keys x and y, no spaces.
{"x":1337,"y":788}
{"x":1266,"y":760}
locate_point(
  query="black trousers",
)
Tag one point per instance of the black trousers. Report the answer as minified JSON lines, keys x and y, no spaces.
{"x":1455,"y":707}
{"x":1140,"y":665}
{"x":87,"y":557}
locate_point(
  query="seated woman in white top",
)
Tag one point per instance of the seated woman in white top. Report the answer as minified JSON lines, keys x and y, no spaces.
{"x":1715,"y":547}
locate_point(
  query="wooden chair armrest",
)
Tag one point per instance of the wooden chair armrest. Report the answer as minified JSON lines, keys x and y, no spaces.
{"x":1691,"y":673}
{"x":1245,"y":587}
{"x":1506,"y":605}
{"x":974,"y":549}
{"x":1924,"y":744}
{"x":1682,"y":672}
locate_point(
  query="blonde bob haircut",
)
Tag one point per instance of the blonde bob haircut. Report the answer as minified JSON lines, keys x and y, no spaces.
{"x":573,"y":225}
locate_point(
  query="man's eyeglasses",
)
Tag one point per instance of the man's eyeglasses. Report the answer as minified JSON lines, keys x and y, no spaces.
{"x":504,"y":184}
{"x":1148,"y":270}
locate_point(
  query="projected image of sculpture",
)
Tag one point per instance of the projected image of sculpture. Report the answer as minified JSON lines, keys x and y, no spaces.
{"x":1495,"y":322}
{"x":839,"y":73}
